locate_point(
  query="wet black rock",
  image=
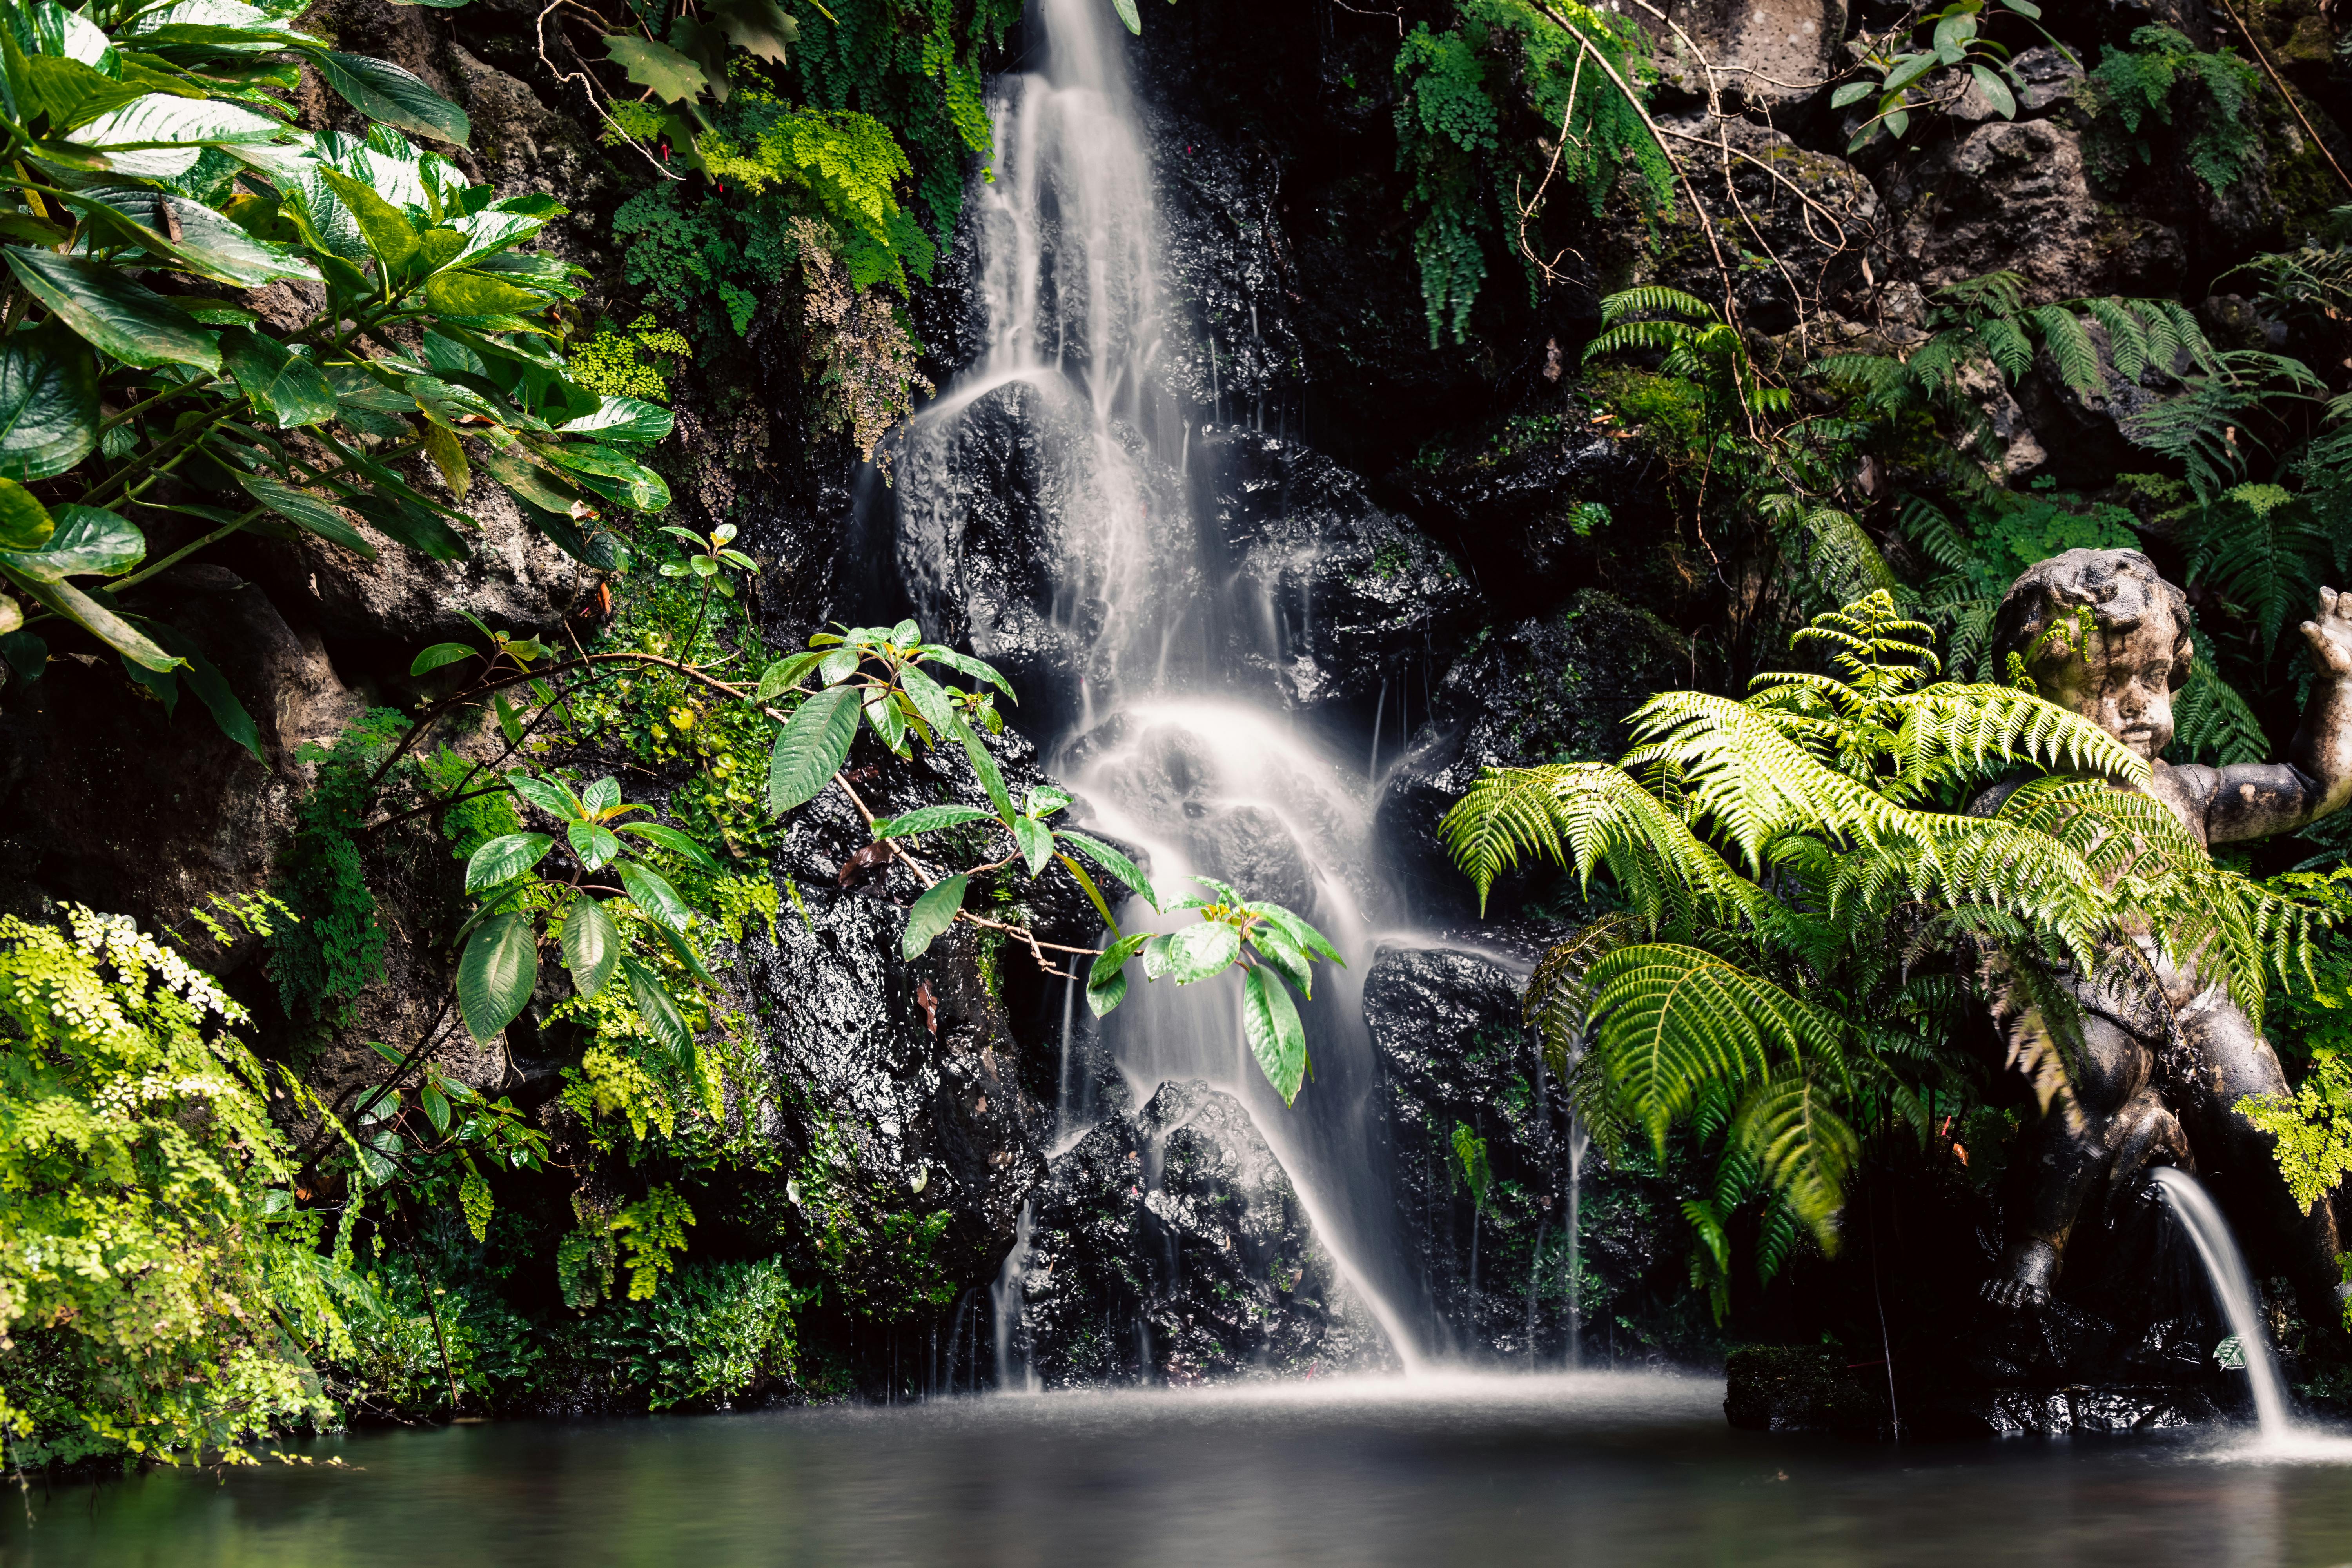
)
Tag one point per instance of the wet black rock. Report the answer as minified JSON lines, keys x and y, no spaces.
{"x":1557,"y":689}
{"x":1338,"y":596}
{"x":1168,"y":1247}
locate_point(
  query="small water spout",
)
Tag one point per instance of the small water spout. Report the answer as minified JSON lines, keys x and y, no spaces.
{"x":1577,"y":1141}
{"x":2210,"y":1232}
{"x":1005,"y":1296}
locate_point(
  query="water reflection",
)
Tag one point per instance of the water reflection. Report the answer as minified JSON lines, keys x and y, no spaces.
{"x":1596,"y":1468}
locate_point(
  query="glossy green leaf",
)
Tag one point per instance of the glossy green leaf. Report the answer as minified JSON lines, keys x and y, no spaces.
{"x":592,"y":842}
{"x":810,"y":748}
{"x":504,"y":859}
{"x":1111,"y":860}
{"x":965,"y":664}
{"x":1202,"y":949}
{"x":928,"y":819}
{"x":439,"y":654}
{"x":651,"y":892}
{"x":671,"y":839}
{"x":480,"y":294}
{"x":591,"y":946}
{"x":1036,"y":841}
{"x":308,"y":512}
{"x":496,"y":975}
{"x":286,"y":389}
{"x":658,"y":1013}
{"x":1853,"y":93}
{"x":101,"y":622}
{"x":686,"y":954}
{"x":1996,"y":92}
{"x":931,"y":700}
{"x":628,"y":419}
{"x":1127,"y":14}
{"x":1909,"y":69}
{"x":112,"y":313}
{"x":992,"y":777}
{"x":24,"y":523}
{"x":601,"y":795}
{"x":1306,"y":936}
{"x":1276,"y":1038}
{"x":1106,"y":980}
{"x":932,"y":914}
{"x":48,"y":402}
{"x":549,"y":795}
{"x":385,"y":227}
{"x":784,"y":675}
{"x":383,"y":91}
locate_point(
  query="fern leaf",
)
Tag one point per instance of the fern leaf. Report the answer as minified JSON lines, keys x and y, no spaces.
{"x":1805,"y":1148}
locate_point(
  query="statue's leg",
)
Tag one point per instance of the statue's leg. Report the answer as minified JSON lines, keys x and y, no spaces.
{"x":2063,"y":1163}
{"x":2234,"y":1060}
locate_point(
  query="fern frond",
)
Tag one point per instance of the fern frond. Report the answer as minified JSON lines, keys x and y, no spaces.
{"x":1804,"y":1148}
{"x":2213,"y":723}
{"x":1952,"y":730}
{"x":2126,"y":337}
{"x":2070,"y":348}
{"x":1653,"y":299}
{"x":1558,"y":1002}
{"x":2006,"y":344}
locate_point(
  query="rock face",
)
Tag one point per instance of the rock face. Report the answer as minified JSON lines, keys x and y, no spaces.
{"x":1168,"y":1248}
{"x":1764,"y":51}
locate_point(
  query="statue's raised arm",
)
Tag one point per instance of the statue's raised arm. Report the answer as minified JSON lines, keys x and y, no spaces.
{"x":2251,"y":800}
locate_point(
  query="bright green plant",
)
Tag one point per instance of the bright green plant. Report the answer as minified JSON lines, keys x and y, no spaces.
{"x":1911,"y":77}
{"x":159,"y":1285}
{"x":2132,"y":90}
{"x":1804,"y":907}
{"x":156,"y":179}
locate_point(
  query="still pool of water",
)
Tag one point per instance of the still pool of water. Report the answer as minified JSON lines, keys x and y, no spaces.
{"x":1601,"y":1469}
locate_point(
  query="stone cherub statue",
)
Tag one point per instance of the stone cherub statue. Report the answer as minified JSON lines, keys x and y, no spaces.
{"x":2140,"y":1104}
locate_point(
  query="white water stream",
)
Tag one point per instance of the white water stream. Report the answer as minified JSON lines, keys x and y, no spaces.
{"x":1163,"y":748}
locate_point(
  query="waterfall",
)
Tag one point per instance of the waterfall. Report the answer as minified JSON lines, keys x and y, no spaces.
{"x":1167,"y":747}
{"x":2227,"y":1269}
{"x":1013,"y":1368}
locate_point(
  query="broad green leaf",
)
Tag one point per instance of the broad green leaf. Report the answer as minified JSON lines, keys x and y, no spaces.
{"x":439,"y":654}
{"x":286,"y":389}
{"x":930,"y":700}
{"x":2024,"y":8}
{"x":448,"y":455}
{"x":113,"y":314}
{"x":810,"y":748}
{"x":1274,"y":945}
{"x":601,"y":795}
{"x":24,"y":523}
{"x":1853,"y":93}
{"x":965,"y":664}
{"x":928,"y":819}
{"x":1036,"y":841}
{"x":784,"y":675}
{"x":1111,"y":860}
{"x":437,"y":1107}
{"x":1200,"y":951}
{"x":386,"y":228}
{"x":48,"y":402}
{"x":1907,"y":70}
{"x":651,"y":892}
{"x":383,"y":91}
{"x":164,"y":120}
{"x":548,"y":794}
{"x":65,"y":599}
{"x":504,"y":859}
{"x":686,"y":954}
{"x":1276,"y":1038}
{"x":673,"y":77}
{"x":529,"y":482}
{"x":1106,"y":980}
{"x":759,"y":25}
{"x":1996,"y":92}
{"x":1297,"y":931}
{"x":992,"y":777}
{"x":839,"y":665}
{"x":592,"y":842}
{"x":1127,"y":14}
{"x":480,"y":294}
{"x":658,"y":1013}
{"x":932,"y":914}
{"x":881,"y":712}
{"x":496,"y":975}
{"x":308,"y":512}
{"x":417,"y":526}
{"x":88,"y":540}
{"x":591,"y":946}
{"x":671,"y":839}
{"x":1951,"y":39}
{"x":624,"y":419}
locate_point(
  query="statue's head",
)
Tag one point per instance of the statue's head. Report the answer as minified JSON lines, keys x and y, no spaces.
{"x":2120,"y":676}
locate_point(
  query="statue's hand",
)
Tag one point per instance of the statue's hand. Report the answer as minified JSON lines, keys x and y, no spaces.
{"x":2330,"y":634}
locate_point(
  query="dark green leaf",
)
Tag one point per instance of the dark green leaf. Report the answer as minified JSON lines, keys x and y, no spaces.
{"x":437,"y":1107}
{"x":651,"y":892}
{"x":48,"y":402}
{"x":2024,"y":8}
{"x":966,"y":665}
{"x":306,"y":511}
{"x":498,"y":974}
{"x":686,"y":954}
{"x":1996,"y":92}
{"x":930,"y":700}
{"x":93,"y":618}
{"x":383,"y":91}
{"x":624,"y":419}
{"x":784,"y":675}
{"x":113,"y":314}
{"x":26,"y":654}
{"x":992,"y":777}
{"x":670,"y":838}
{"x":660,"y":1014}
{"x":1276,"y":1038}
{"x":24,"y":523}
{"x":759,"y":25}
{"x":385,"y":227}
{"x":932,"y":914}
{"x":284,"y":387}
{"x":810,"y":748}
{"x":1111,"y":860}
{"x":673,"y":77}
{"x":411,"y":524}
{"x":548,"y":794}
{"x":591,"y":946}
{"x":1909,"y":69}
{"x":504,"y":859}
{"x":1852,"y":92}
{"x":928,"y":819}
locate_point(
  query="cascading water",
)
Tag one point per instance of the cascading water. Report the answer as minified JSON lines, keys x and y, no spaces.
{"x":1161,"y":745}
{"x":2209,"y":1233}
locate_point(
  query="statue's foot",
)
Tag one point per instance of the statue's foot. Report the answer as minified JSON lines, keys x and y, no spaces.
{"x":2022,"y":1281}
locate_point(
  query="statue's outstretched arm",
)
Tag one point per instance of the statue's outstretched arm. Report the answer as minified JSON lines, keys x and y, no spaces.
{"x":2253,"y":800}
